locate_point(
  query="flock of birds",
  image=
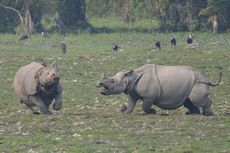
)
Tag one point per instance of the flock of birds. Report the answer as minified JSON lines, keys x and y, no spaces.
{"x":63,"y":45}
{"x":173,"y":42}
{"x":115,"y":46}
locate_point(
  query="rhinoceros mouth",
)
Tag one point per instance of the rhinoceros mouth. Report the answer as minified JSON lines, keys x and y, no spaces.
{"x":103,"y":88}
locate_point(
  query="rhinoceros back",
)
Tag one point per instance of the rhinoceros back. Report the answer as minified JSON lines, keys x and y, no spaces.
{"x":24,"y":80}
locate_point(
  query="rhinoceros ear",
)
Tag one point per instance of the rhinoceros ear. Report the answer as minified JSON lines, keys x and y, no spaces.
{"x":54,"y":64}
{"x":128,"y":73}
{"x":103,"y":75}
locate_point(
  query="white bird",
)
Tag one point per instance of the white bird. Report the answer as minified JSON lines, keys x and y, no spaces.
{"x":189,"y":39}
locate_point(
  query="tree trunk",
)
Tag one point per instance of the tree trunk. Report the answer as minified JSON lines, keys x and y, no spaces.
{"x":28,"y":23}
{"x":127,"y":15}
{"x":25,"y":17}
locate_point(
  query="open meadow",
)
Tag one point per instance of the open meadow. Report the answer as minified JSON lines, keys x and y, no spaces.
{"x":90,"y":122}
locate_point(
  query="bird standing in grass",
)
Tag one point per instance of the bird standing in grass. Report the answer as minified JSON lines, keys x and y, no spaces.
{"x":115,"y":47}
{"x":63,"y":47}
{"x":189,"y":39}
{"x":24,"y":37}
{"x":173,"y":41}
{"x":45,"y":35}
{"x":158,"y":45}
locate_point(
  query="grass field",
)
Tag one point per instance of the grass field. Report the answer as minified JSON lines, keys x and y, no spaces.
{"x":90,"y":122}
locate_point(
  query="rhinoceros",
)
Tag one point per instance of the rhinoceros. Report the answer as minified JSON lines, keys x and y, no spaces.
{"x":167,"y":87}
{"x":38,"y":85}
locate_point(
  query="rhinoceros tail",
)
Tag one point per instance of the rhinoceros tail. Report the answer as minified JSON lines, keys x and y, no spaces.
{"x":218,"y":82}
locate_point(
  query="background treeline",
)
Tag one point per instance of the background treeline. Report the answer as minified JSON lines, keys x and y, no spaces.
{"x":173,"y":15}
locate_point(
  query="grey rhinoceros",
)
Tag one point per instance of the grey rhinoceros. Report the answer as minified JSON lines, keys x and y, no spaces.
{"x":167,"y":87}
{"x":38,"y":85}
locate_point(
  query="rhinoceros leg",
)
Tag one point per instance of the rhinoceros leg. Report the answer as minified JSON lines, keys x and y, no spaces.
{"x":40,"y":104}
{"x":131,"y":104}
{"x":207,"y":110}
{"x":146,"y":107}
{"x":191,"y":108}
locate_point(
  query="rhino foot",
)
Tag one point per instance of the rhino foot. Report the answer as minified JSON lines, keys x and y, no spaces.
{"x":36,"y":113}
{"x":123,"y":108}
{"x":193,"y":113}
{"x":208,"y":113}
{"x":57,"y":106}
{"x":149,"y":111}
{"x":47,"y":112}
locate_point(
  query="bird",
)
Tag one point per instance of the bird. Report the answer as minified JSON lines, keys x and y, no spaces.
{"x":63,"y":47}
{"x":45,"y":35}
{"x":115,"y":47}
{"x":189,"y":39}
{"x":158,"y":45}
{"x":173,"y":41}
{"x":24,"y":37}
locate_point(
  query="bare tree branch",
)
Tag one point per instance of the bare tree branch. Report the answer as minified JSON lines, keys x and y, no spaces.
{"x":12,"y":9}
{"x":25,"y":21}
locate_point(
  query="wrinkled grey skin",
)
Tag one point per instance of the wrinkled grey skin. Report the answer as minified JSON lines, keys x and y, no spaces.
{"x":167,"y":87}
{"x":38,"y":85}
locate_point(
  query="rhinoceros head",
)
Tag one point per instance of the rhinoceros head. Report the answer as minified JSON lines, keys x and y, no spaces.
{"x":116,"y":84}
{"x":49,"y":75}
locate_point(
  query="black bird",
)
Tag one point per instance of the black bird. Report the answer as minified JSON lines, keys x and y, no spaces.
{"x":115,"y":47}
{"x":24,"y":37}
{"x":63,"y":47}
{"x":173,"y":41}
{"x":158,"y":45}
{"x":189,"y":39}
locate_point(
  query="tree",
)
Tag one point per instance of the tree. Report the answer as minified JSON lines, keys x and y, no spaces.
{"x":126,"y":9}
{"x":179,"y":15}
{"x":24,"y":16}
{"x":72,"y":12}
{"x":217,"y":11}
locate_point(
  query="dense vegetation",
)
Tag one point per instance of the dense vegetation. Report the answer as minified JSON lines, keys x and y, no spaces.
{"x":173,"y":15}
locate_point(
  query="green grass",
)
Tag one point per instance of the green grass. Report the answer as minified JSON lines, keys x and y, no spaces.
{"x":116,"y":24}
{"x":90,"y":122}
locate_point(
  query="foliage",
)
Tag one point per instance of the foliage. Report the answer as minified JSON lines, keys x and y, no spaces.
{"x":8,"y":19}
{"x":102,"y":8}
{"x":106,"y":8}
{"x":220,"y":9}
{"x":174,"y":15}
{"x":71,"y":11}
{"x":179,"y":15}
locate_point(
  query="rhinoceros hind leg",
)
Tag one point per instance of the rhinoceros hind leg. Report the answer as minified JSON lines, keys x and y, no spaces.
{"x":207,"y":110}
{"x":191,"y":108}
{"x":146,"y":107}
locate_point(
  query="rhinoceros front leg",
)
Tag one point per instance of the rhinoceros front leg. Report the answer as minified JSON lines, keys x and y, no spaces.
{"x":146,"y":106}
{"x":40,"y":104}
{"x":58,"y":102}
{"x":58,"y":98}
{"x":131,"y":104}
